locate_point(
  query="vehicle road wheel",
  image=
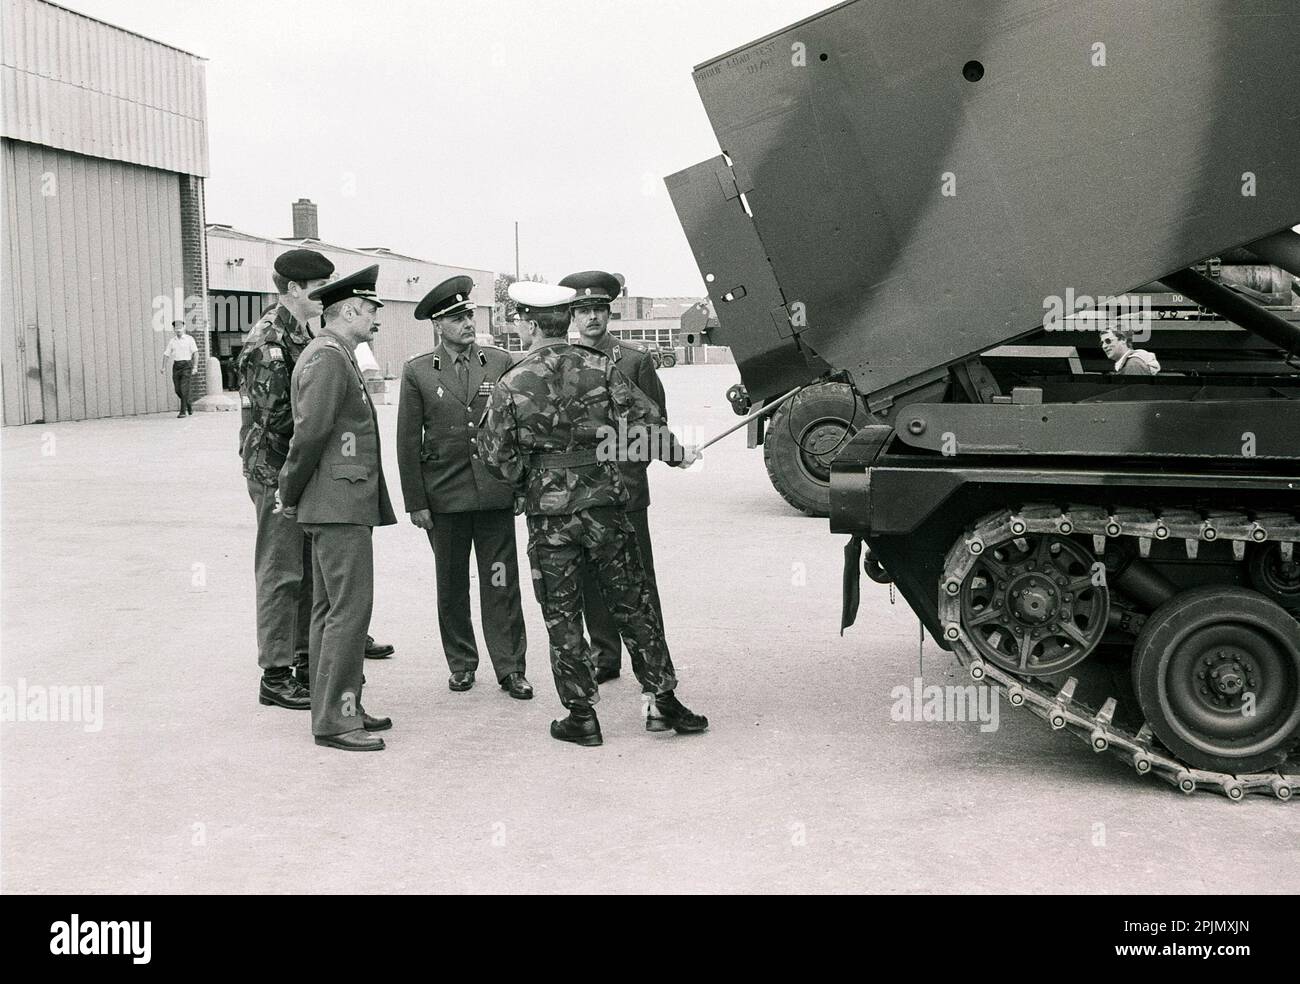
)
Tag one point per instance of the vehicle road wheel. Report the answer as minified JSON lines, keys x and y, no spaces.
{"x":1275,"y":576}
{"x":1030,"y":605}
{"x":669,"y":359}
{"x":1217,"y":675}
{"x":802,"y":439}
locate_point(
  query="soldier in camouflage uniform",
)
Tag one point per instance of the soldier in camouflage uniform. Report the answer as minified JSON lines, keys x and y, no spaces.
{"x":590,"y":316}
{"x":545,"y":422}
{"x":282,"y":555}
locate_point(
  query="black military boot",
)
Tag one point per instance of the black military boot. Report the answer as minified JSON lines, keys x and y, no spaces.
{"x":300,"y":672}
{"x":281,"y":689}
{"x":580,"y":727}
{"x":666,"y":711}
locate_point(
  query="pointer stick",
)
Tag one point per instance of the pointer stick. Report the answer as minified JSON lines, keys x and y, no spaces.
{"x":763,"y":412}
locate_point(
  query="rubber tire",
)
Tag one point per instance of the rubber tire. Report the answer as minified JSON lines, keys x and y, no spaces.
{"x":1199,"y":608}
{"x":669,"y":359}
{"x":1259,"y":556}
{"x":781,"y":449}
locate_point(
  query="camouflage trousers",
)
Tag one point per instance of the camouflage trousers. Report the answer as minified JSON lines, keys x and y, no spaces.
{"x":601,"y":629}
{"x":283,"y":580}
{"x":603,"y":540}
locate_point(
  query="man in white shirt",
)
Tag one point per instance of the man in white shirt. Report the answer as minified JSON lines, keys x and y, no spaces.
{"x":182,"y":351}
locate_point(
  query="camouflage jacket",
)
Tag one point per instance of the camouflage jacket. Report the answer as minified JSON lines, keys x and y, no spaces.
{"x":635,"y":363}
{"x":265,"y":367}
{"x":546,"y":420}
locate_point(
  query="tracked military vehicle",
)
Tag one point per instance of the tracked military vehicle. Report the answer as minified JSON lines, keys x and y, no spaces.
{"x":908,"y":198}
{"x":801,"y":438}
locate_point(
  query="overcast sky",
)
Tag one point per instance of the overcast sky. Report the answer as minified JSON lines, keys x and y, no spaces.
{"x":431,"y":127}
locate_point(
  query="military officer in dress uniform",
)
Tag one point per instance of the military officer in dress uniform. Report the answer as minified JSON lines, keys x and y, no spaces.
{"x":590,"y":318}
{"x":546,"y":422}
{"x":332,"y":483}
{"x":450,"y":494}
{"x":282,"y":554}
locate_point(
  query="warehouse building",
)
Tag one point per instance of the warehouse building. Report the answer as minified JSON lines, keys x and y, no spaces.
{"x":104,"y":140}
{"x":240,"y":266}
{"x":652,"y":322}
{"x":633,"y":307}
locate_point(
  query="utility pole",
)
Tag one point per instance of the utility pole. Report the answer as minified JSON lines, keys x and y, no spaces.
{"x":516,"y":251}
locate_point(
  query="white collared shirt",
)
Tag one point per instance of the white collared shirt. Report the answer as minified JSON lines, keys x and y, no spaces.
{"x":181,"y":349}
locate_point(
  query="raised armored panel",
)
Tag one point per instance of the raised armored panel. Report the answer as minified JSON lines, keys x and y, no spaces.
{"x":924,"y":176}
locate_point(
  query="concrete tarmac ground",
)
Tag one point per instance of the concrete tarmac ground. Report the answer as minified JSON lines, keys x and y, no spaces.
{"x":127,"y":563}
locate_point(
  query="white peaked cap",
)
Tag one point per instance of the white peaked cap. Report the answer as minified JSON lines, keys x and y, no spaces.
{"x":534,"y":295}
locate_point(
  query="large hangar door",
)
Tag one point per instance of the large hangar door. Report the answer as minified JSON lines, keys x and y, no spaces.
{"x":92,"y":271}
{"x":20,"y":360}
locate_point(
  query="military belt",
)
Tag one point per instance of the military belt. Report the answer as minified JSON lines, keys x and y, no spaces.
{"x":566,"y":459}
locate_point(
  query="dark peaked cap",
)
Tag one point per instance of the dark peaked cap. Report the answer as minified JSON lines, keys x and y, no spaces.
{"x":593,"y":287}
{"x":449,"y":297}
{"x":359,"y":284}
{"x":302,"y":265}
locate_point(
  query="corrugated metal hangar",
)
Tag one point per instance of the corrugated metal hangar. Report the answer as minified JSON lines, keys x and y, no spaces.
{"x":105,"y":148}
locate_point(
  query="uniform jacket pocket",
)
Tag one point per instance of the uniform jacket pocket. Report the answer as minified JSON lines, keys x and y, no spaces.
{"x":353,"y":473}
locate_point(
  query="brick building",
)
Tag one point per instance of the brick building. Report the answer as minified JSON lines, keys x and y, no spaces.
{"x":105,"y":149}
{"x":633,"y":307}
{"x":654,"y":322}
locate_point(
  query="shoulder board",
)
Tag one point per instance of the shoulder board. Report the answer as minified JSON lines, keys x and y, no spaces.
{"x":588,"y":348}
{"x":315,"y":351}
{"x":492,"y":348}
{"x":633,"y":346}
{"x":422,"y":355}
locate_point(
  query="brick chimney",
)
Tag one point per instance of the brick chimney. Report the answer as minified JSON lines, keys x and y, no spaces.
{"x":305,"y":224}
